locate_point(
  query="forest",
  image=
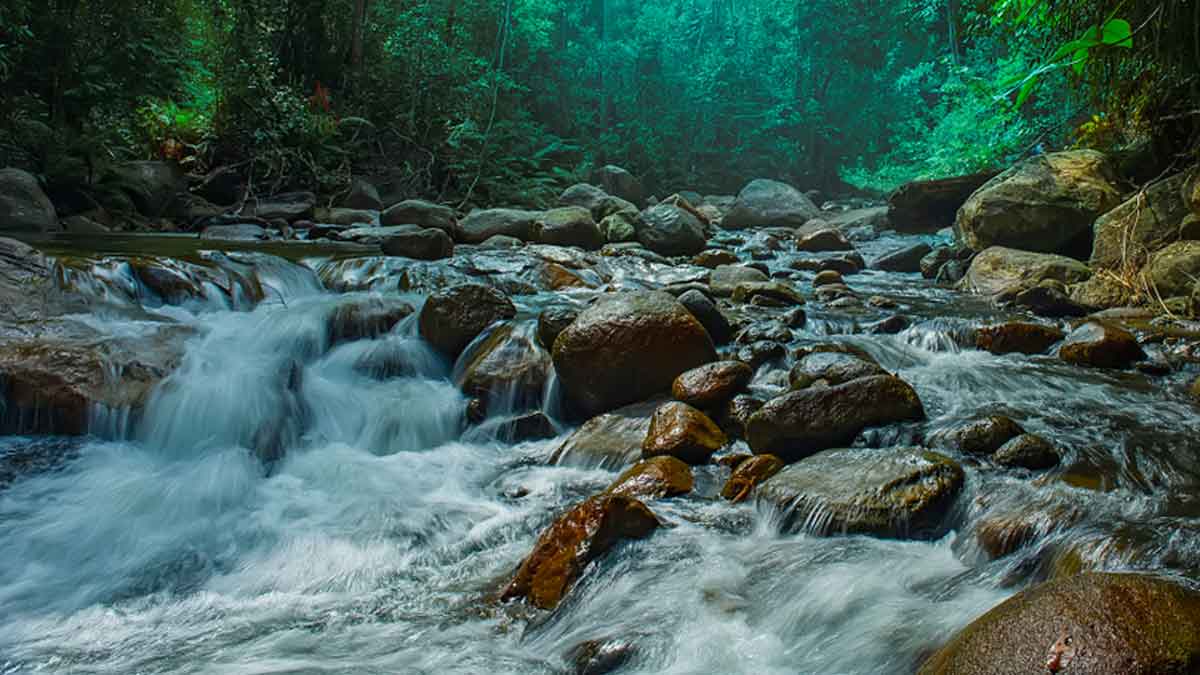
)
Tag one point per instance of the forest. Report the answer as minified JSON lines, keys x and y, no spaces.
{"x":509,"y":102}
{"x":591,"y":337}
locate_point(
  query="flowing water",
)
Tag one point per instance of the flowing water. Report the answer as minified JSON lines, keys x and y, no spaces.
{"x":377,"y":535}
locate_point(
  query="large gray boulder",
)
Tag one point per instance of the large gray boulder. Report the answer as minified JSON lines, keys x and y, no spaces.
{"x":597,"y":201}
{"x":620,"y":183}
{"x":152,"y":185}
{"x":999,"y":270}
{"x":890,"y":492}
{"x":766,"y":203}
{"x":627,"y":347}
{"x":23,"y":205}
{"x":569,"y":226}
{"x":930,"y":205}
{"x":669,"y":230}
{"x":422,"y":213}
{"x":482,"y":224}
{"x":1175,"y":270}
{"x":1144,"y":224}
{"x":1046,"y":204}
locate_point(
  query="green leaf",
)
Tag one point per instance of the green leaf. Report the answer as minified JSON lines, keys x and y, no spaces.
{"x":1117,"y":33}
{"x":1026,"y":90}
{"x":1079,"y":62}
{"x":1088,"y":41}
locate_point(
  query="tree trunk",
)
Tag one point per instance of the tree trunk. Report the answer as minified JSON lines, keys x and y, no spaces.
{"x":356,"y":35}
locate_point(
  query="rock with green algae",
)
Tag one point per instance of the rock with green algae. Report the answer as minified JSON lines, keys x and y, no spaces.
{"x":1087,"y":624}
{"x":890,"y":492}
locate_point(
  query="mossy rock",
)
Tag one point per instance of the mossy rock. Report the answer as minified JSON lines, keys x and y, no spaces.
{"x":1089,"y":624}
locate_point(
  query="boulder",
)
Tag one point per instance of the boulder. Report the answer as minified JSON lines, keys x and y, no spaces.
{"x":565,"y":549}
{"x":627,"y":347}
{"x":735,"y":415}
{"x":766,"y":203}
{"x":654,"y":478}
{"x":363,"y":196}
{"x":598,"y":202}
{"x":610,"y":441}
{"x":1045,"y":204}
{"x":725,"y":279}
{"x":507,"y":366}
{"x":1091,"y":624}
{"x":713,"y":385}
{"x":422,"y":214}
{"x":552,"y":321}
{"x":678,"y":430}
{"x":905,"y":261}
{"x":419,"y":244}
{"x":348,"y":217}
{"x":1144,"y":224}
{"x":933,"y":262}
{"x":453,"y":317}
{"x":748,"y":474}
{"x":152,"y":185}
{"x":821,"y":240}
{"x":357,"y":319}
{"x":1017,"y":337}
{"x":568,"y":226}
{"x":714,"y":258}
{"x":890,"y":492}
{"x":1049,"y":299}
{"x":23,"y":205}
{"x":288,"y":206}
{"x":1101,"y":345}
{"x":930,"y":205}
{"x":802,"y":423}
{"x":1101,"y":292}
{"x":830,"y":369}
{"x":1175,"y":270}
{"x":998,"y":270}
{"x":620,"y":227}
{"x":828,"y":278}
{"x":980,"y":437}
{"x":481,"y":224}
{"x":714,"y":322}
{"x":760,"y":353}
{"x":669,"y":230}
{"x":619,"y":182}
{"x":1027,"y":451}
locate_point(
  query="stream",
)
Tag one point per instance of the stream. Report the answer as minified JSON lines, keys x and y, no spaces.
{"x":378,"y":534}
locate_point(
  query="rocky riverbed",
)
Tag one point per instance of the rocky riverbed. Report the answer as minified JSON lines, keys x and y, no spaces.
{"x":719,"y":434}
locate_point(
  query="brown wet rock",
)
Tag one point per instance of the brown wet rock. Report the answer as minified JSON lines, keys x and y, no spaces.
{"x":893,"y":325}
{"x":552,"y":321}
{"x":735,"y":415}
{"x":1101,"y":345}
{"x":771,"y":331}
{"x":831,"y":293}
{"x":507,"y":364}
{"x":726,"y":278}
{"x":654,"y":478}
{"x":583,"y":534}
{"x":781,"y":293}
{"x":626,"y":347}
{"x":904,"y":261}
{"x":889,"y":492}
{"x":533,"y":426}
{"x":980,"y":437}
{"x":1087,"y":624}
{"x":749,"y":474}
{"x":824,"y":240}
{"x":612,"y":440}
{"x":600,"y":657}
{"x":834,"y":348}
{"x":1027,"y":451}
{"x":365,"y":319}
{"x":829,"y":369}
{"x":681,"y":431}
{"x":714,"y":258}
{"x":712,"y":385}
{"x":453,"y":317}
{"x":827,"y":278}
{"x":427,"y":244}
{"x":1017,"y":337}
{"x":803,"y":423}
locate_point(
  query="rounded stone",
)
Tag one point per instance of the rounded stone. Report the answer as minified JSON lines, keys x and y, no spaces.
{"x":712,"y":385}
{"x":681,"y":431}
{"x":452,"y":318}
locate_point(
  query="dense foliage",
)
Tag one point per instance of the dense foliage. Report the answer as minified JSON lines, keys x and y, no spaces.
{"x":507,"y":100}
